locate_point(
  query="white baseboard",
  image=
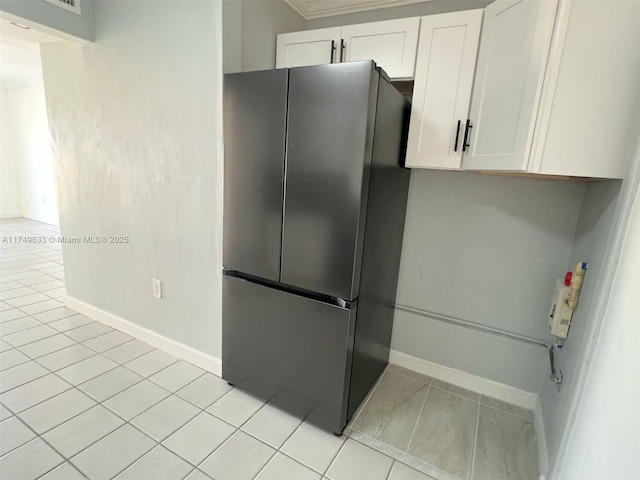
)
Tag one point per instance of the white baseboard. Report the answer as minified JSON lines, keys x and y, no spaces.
{"x":541,"y":434}
{"x":10,"y":214}
{"x":466,"y":380}
{"x":172,"y":347}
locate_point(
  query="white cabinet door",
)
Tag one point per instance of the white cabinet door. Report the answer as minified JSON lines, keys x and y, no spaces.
{"x":391,"y":44}
{"x":513,"y":50}
{"x":442,"y":89}
{"x":311,"y":47}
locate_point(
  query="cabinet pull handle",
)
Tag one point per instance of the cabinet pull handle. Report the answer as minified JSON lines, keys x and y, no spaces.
{"x":455,"y":147}
{"x":342,"y":48}
{"x":333,"y":49}
{"x":467,"y":129}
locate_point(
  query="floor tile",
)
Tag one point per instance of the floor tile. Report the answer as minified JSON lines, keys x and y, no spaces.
{"x":400,"y":471}
{"x":48,"y":285}
{"x":41,"y":265}
{"x":48,"y":304}
{"x":110,"y":383}
{"x":70,"y":323}
{"x":235,"y":407}
{"x":128,"y":351}
{"x":66,"y":471}
{"x":455,"y":389}
{"x":31,"y":335}
{"x":151,"y":362}
{"x":20,"y":374}
{"x":281,"y":467}
{"x":36,"y":280}
{"x":176,"y":376}
{"x":506,"y":448}
{"x":11,"y":314}
{"x":4,"y":412}
{"x":13,"y":433}
{"x":11,"y":285}
{"x":4,"y":346}
{"x":198,"y":475}
{"x":107,"y":341}
{"x":239,"y":458}
{"x":391,"y":413}
{"x":57,"y":293}
{"x":56,"y":410}
{"x":82,"y":431}
{"x":88,"y":331}
{"x":166,"y":417}
{"x":158,"y":464}
{"x":25,"y":274}
{"x":445,"y":432}
{"x":136,"y":399}
{"x":113,"y":454}
{"x":507,"y":407}
{"x":27,"y":294}
{"x":198,"y":438}
{"x":272,"y":426}
{"x":47,"y":345}
{"x":12,"y":358}
{"x":55,"y":314}
{"x":359,"y":461}
{"x":34,"y":392}
{"x":86,"y":369}
{"x":30,"y":461}
{"x":204,"y":390}
{"x":313,"y":447}
{"x":65,"y":357}
{"x":7,"y":328}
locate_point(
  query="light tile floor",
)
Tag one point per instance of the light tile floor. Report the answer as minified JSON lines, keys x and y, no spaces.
{"x":81,"y":400}
{"x":447,"y":431}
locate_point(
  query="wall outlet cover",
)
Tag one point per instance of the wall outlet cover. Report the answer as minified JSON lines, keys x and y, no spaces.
{"x":157,"y":288}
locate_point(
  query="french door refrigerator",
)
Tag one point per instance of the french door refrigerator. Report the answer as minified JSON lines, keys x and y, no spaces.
{"x":314,"y":207}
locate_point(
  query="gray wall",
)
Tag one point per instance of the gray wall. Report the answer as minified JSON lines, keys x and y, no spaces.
{"x":249,"y":32}
{"x":56,"y":18}
{"x":135,"y":129}
{"x":591,"y":245}
{"x":405,"y":11}
{"x":486,"y":249}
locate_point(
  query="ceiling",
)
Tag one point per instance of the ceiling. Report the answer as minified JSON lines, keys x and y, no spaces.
{"x":310,"y":9}
{"x":19,"y":67}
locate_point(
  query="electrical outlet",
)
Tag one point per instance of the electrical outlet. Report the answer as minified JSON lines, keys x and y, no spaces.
{"x":157,"y":288}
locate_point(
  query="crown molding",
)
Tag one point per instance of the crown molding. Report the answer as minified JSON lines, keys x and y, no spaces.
{"x":310,"y":9}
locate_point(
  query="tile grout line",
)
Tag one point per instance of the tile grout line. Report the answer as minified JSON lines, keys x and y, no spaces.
{"x":475,"y":444}
{"x":413,"y":432}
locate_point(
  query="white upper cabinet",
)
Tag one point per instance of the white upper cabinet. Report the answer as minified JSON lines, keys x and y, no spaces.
{"x":312,"y":47}
{"x":444,"y":76}
{"x":513,"y":51}
{"x":391,"y":44}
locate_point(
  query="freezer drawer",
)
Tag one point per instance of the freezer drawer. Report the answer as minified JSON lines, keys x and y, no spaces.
{"x":291,"y":350}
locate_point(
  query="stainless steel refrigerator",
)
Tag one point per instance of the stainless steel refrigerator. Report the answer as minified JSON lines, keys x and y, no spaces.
{"x":314,"y":207}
